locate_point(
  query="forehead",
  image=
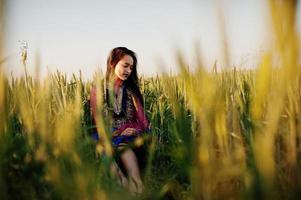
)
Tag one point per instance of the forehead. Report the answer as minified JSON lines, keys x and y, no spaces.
{"x":127,"y":59}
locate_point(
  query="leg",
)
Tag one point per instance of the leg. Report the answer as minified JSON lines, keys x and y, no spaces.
{"x":114,"y":169}
{"x":117,"y":173}
{"x":130,"y":163}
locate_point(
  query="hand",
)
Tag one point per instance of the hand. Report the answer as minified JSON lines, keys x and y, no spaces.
{"x":129,"y":132}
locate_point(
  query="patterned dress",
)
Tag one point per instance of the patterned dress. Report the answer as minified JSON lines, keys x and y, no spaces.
{"x":127,"y":112}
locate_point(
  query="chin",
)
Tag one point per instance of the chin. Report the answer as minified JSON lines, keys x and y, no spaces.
{"x":121,"y":78}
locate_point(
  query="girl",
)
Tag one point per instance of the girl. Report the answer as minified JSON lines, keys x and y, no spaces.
{"x":124,"y":103}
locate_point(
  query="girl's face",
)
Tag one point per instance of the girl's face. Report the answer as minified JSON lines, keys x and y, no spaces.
{"x":124,"y":67}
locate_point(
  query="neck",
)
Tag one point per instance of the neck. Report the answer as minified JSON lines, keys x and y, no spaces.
{"x":118,"y":81}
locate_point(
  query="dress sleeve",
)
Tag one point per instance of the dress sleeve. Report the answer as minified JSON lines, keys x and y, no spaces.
{"x":140,"y":115}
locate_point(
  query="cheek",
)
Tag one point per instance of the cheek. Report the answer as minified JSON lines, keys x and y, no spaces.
{"x":117,"y":70}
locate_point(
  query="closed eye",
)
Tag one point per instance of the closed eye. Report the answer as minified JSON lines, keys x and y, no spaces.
{"x":131,"y":67}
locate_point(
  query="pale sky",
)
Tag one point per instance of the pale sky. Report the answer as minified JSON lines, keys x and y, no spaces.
{"x":73,"y":35}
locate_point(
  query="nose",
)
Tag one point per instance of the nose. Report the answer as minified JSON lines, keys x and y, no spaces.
{"x":128,"y":70}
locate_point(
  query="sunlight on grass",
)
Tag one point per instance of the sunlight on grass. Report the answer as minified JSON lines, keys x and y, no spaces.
{"x":223,"y":134}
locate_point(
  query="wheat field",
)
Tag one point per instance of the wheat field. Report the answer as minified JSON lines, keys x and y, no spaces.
{"x":216,"y":134}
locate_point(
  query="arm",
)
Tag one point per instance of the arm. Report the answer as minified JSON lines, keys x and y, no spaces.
{"x":140,"y":124}
{"x":140,"y":115}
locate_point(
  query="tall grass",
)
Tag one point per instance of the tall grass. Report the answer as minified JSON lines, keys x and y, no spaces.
{"x":232,"y":134}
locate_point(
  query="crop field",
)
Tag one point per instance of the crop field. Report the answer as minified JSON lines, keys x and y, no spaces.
{"x":226,"y":133}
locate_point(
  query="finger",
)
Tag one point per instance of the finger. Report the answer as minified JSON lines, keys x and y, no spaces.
{"x":125,"y":133}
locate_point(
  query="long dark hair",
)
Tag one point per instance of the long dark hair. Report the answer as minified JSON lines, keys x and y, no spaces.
{"x":132,"y":81}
